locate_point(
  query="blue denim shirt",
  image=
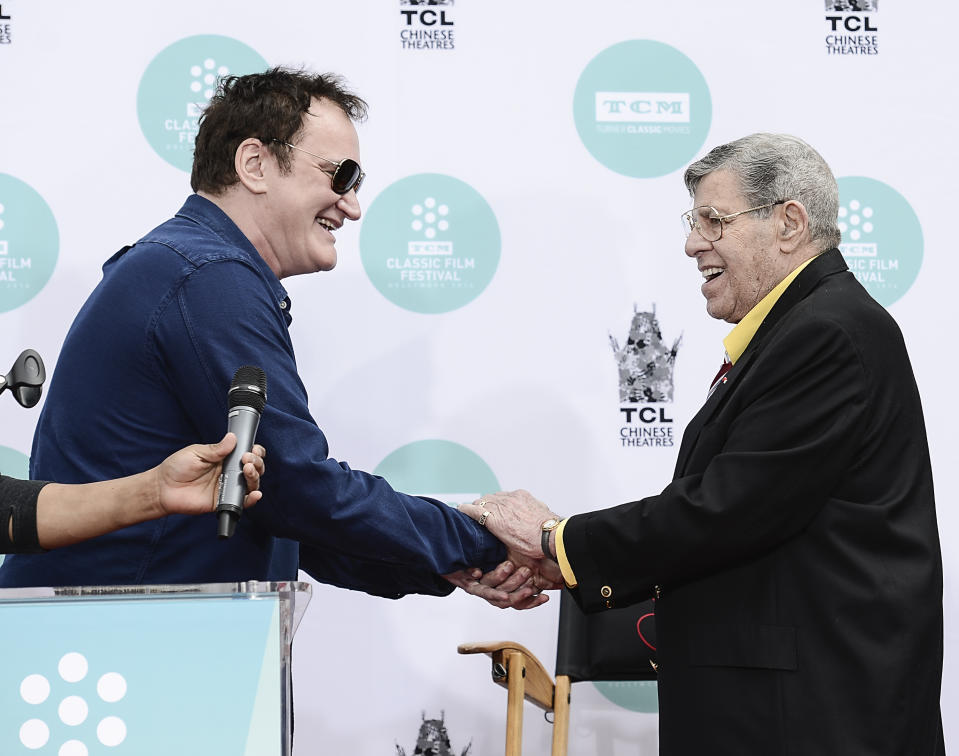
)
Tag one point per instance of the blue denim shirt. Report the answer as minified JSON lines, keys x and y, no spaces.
{"x":145,"y":370}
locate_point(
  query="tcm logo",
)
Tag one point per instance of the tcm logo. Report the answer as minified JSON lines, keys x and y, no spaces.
{"x":642,"y":107}
{"x":430,"y":218}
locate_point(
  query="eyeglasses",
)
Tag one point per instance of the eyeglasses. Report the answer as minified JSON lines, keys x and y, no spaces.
{"x":347,"y":176}
{"x":709,"y":222}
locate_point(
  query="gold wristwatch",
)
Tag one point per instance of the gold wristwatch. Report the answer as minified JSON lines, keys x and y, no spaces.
{"x":548,"y":527}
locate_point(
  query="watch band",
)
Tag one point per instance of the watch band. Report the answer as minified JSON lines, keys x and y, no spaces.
{"x":546,"y":528}
{"x":544,"y":541}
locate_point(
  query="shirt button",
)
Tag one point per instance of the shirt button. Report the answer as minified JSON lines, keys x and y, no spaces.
{"x":605,"y":591}
{"x":283,"y":305}
{"x":610,"y":603}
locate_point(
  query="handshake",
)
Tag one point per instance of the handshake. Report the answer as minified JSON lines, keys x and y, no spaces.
{"x":516,"y":518}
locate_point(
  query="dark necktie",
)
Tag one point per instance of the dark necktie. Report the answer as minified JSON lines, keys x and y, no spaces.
{"x":720,"y":376}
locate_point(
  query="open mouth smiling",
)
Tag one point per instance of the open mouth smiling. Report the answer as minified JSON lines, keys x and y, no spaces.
{"x":710,"y":273}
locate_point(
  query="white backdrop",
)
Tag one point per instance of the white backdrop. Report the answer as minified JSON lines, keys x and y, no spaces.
{"x":522,"y":374}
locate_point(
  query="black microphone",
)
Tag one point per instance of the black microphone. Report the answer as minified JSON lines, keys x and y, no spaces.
{"x":25,"y":378}
{"x":247,"y":398}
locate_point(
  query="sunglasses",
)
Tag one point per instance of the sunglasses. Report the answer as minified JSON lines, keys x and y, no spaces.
{"x":348,"y":176}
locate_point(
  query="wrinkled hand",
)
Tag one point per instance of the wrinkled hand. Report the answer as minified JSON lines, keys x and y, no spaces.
{"x":188,"y":480}
{"x":504,"y":586}
{"x":515,"y":519}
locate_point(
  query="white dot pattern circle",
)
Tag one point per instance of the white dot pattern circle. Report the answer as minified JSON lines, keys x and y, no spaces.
{"x":73,"y":748}
{"x":73,"y":710}
{"x":34,"y":689}
{"x":111,"y":731}
{"x":112,"y":687}
{"x":34,"y":733}
{"x":73,"y":667}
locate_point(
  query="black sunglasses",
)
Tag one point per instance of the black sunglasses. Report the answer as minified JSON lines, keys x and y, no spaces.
{"x":347,"y":177}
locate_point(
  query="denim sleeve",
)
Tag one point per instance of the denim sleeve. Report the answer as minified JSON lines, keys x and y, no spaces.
{"x":225,"y":317}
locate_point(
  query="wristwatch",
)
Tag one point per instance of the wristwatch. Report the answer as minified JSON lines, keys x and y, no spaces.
{"x":548,"y":527}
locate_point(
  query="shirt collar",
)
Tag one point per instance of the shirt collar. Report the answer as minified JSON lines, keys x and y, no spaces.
{"x":739,"y":338}
{"x":201,"y":210}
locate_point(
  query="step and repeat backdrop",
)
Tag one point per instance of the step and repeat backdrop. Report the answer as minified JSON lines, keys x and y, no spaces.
{"x":521,"y":223}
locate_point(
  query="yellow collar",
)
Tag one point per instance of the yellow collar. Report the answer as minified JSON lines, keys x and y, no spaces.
{"x":739,"y":338}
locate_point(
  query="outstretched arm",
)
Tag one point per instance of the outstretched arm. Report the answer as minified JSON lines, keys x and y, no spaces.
{"x":186,"y":482}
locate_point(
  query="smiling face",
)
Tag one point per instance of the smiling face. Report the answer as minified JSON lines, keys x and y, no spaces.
{"x":300,"y":212}
{"x":745,"y":264}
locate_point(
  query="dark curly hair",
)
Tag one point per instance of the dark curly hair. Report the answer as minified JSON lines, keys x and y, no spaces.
{"x":268,"y":105}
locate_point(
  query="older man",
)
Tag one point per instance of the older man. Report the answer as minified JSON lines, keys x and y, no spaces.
{"x":795,"y":555}
{"x":148,"y":360}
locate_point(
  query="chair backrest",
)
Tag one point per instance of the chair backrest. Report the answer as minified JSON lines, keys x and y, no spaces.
{"x":617,"y":644}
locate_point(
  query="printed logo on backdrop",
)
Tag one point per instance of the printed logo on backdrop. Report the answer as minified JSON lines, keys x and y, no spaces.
{"x":852,"y":27}
{"x":642,"y":108}
{"x":433,"y":739}
{"x":430,"y":243}
{"x":93,"y":691}
{"x":439,"y":469}
{"x":29,"y":243}
{"x":425,"y":27}
{"x":179,"y":82}
{"x":71,"y":709}
{"x":6,"y":28}
{"x":881,"y":237}
{"x":645,"y":365}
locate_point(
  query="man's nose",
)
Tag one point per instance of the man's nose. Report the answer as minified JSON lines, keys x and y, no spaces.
{"x":349,"y":203}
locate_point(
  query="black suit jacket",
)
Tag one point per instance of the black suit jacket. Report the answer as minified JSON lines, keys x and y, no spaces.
{"x":796,"y":550}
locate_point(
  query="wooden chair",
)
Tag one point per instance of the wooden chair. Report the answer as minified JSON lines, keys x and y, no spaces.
{"x":615,"y":645}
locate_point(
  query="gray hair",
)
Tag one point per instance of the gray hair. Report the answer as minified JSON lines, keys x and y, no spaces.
{"x":774,"y":167}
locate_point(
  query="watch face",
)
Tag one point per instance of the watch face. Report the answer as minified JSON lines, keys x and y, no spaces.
{"x":550,"y":524}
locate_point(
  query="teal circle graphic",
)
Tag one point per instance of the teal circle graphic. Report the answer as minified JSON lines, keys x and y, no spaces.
{"x":642,"y":108}
{"x":178,"y":84}
{"x":29,"y":243}
{"x":881,"y":237}
{"x":639,"y":695}
{"x":430,"y":243}
{"x":439,"y":469}
{"x":14,"y":464}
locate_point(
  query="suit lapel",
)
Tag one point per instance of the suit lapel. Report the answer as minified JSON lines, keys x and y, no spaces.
{"x":826,"y":264}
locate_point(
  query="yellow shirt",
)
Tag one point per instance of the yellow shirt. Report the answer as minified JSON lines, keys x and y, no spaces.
{"x":735,"y":343}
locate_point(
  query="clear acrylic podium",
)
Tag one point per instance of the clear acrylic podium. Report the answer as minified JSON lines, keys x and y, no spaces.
{"x":171,"y":670}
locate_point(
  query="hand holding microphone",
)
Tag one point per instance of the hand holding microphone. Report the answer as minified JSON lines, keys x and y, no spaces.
{"x":247,"y":398}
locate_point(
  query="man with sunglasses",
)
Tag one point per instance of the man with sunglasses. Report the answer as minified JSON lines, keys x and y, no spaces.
{"x":794,"y":557}
{"x":148,"y":360}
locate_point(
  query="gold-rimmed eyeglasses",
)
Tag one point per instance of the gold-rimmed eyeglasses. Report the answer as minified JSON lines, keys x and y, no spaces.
{"x":709,"y":223}
{"x":347,"y":175}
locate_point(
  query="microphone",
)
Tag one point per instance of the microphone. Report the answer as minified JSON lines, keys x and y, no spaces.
{"x":25,"y":378}
{"x":247,"y":398}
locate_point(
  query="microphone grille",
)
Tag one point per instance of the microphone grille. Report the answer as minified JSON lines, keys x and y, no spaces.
{"x":248,"y":388}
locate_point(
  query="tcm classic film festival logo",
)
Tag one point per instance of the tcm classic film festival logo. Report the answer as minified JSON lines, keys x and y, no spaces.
{"x":426,"y":25}
{"x":642,"y":108}
{"x":430,"y":243}
{"x":179,"y":82}
{"x":29,"y":243}
{"x":645,"y":363}
{"x":852,"y":27}
{"x":881,"y":237}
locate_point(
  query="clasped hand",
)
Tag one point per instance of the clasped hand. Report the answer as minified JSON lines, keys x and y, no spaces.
{"x":515,"y":518}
